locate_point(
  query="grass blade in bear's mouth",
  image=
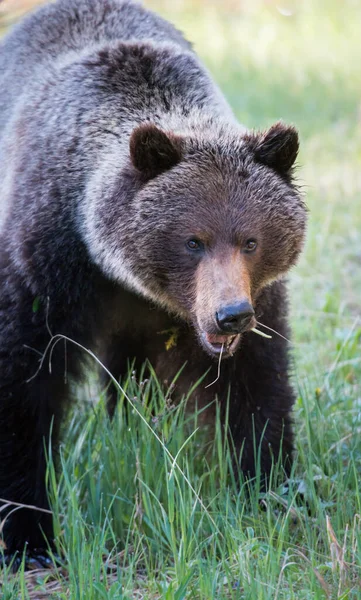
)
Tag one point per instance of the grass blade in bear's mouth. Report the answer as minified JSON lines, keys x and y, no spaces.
{"x":217,"y":341}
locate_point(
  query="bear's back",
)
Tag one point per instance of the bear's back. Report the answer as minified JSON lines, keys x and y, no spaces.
{"x":61,"y":32}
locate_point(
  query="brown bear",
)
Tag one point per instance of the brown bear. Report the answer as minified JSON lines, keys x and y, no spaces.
{"x":133,"y":203}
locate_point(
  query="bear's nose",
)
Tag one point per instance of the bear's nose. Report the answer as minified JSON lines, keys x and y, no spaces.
{"x":234,"y":318}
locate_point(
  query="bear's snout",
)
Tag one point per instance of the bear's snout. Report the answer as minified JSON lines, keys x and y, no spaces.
{"x":235,"y":318}
{"x":232,"y":320}
{"x":223,"y":307}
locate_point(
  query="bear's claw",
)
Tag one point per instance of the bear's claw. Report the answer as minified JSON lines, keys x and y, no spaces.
{"x":37,"y":558}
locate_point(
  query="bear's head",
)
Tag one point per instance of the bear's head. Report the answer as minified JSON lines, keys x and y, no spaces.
{"x":200,"y":226}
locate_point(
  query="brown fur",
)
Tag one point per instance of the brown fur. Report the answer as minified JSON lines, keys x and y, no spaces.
{"x":220,"y":280}
{"x":129,"y":196}
{"x":152,"y":151}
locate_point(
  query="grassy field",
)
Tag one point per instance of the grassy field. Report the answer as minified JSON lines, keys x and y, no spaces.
{"x":134,"y":523}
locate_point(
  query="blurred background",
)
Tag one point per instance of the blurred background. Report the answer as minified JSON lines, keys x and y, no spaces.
{"x":298,"y":61}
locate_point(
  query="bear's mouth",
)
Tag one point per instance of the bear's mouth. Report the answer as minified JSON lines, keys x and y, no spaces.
{"x":216,"y":344}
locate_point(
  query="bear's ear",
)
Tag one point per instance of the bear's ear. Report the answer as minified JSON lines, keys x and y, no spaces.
{"x":277,"y":148}
{"x":152,"y":151}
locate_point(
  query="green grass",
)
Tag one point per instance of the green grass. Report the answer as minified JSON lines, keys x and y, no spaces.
{"x":129,"y":525}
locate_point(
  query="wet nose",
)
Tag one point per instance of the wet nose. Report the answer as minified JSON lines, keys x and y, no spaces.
{"x":234,"y":318}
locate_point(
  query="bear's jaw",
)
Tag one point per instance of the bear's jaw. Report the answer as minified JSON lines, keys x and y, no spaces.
{"x":217,"y":344}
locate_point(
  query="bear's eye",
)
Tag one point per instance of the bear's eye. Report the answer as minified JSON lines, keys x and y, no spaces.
{"x":194,"y":245}
{"x":250,"y":245}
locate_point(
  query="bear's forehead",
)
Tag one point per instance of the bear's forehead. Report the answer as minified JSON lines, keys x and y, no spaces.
{"x":229,"y":179}
{"x":216,"y":199}
{"x":219,"y":196}
{"x":213,"y":222}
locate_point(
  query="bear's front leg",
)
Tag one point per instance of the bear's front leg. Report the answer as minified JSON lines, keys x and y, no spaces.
{"x":31,"y":403}
{"x":27,"y":411}
{"x":260,"y":406}
{"x":26,"y":414}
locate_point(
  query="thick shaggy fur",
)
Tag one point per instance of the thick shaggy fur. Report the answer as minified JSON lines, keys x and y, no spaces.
{"x":116,"y":149}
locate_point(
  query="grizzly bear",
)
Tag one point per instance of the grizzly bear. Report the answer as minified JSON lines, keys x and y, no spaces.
{"x":133,"y":203}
